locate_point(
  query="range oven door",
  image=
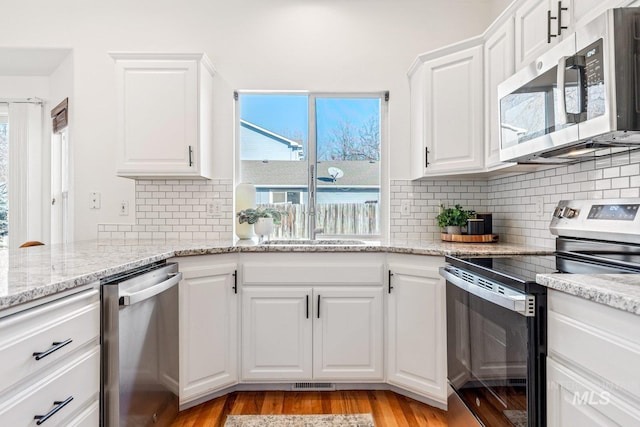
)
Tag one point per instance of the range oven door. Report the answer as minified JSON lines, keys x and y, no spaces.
{"x":492,"y":363}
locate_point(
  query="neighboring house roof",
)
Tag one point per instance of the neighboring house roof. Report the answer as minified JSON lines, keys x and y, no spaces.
{"x":357,"y":173}
{"x":290,"y":143}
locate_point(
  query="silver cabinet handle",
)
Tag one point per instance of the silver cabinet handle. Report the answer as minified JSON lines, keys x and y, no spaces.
{"x":136,"y":297}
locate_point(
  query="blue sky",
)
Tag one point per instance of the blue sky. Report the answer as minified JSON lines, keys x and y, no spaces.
{"x":288,"y":114}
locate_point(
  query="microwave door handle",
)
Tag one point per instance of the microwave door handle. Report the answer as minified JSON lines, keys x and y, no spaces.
{"x":562,"y":117}
{"x":579,"y":62}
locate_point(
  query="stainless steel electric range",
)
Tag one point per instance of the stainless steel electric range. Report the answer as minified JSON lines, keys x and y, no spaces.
{"x":496,"y":312}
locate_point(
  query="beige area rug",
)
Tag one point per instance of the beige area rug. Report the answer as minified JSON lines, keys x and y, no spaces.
{"x":347,"y":420}
{"x":518,"y":418}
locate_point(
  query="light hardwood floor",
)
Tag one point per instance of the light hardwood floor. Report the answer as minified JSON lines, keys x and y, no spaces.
{"x":388,"y":408}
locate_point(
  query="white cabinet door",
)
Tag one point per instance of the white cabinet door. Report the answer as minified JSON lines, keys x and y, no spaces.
{"x":208,"y":327}
{"x":449,"y":102}
{"x":532,"y":24}
{"x":276,"y":333}
{"x":573,"y":400}
{"x":416,"y":347}
{"x":499,"y":64}
{"x":583,"y":11}
{"x":163,"y":115}
{"x":533,"y":27}
{"x":347,"y":333}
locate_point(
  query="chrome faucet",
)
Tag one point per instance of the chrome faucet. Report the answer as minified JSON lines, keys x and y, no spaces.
{"x":315,"y":231}
{"x":311,"y":215}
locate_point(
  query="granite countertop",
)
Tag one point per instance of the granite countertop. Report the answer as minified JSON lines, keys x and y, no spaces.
{"x":35,"y":272}
{"x":621,"y":291}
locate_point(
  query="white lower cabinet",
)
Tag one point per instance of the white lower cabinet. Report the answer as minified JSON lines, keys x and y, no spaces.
{"x":575,"y":400}
{"x":592,"y":364}
{"x":51,"y":363}
{"x":310,"y":317}
{"x":208,"y":325}
{"x":312,"y":333}
{"x":347,"y":333}
{"x":416,"y":326}
{"x":276,"y":333}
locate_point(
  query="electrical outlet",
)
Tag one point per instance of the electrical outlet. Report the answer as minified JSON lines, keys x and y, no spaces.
{"x":405,"y":207}
{"x":214,"y":208}
{"x":538,"y":206}
{"x":94,"y":200}
{"x":124,"y":208}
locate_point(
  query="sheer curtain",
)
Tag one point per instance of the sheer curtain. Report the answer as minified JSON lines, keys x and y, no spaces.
{"x":25,"y":173}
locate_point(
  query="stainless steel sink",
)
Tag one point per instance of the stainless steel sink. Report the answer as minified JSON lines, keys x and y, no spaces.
{"x":325,"y":242}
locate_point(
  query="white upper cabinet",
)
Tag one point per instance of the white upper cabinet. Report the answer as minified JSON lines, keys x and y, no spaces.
{"x":447,"y":111}
{"x":164,"y":115}
{"x":499,"y":60}
{"x":540,"y":24}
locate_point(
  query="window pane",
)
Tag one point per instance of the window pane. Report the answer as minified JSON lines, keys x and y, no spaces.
{"x":348,"y":158}
{"x":273,"y":152}
{"x":4,"y":161}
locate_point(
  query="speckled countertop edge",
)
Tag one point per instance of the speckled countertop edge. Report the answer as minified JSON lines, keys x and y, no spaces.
{"x":36,"y":272}
{"x":621,"y":291}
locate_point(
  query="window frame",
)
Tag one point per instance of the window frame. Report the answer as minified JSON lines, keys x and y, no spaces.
{"x":384,"y":197}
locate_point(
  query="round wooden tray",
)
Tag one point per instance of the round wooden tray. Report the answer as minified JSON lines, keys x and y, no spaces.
{"x":469,"y":238}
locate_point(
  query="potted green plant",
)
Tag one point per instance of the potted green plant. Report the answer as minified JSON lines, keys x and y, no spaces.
{"x":262,"y":218}
{"x":454,"y":218}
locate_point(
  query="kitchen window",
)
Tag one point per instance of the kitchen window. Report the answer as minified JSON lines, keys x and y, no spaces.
{"x":285,"y":139}
{"x":4,"y":163}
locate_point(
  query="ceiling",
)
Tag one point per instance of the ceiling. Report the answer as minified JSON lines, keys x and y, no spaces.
{"x":30,"y":61}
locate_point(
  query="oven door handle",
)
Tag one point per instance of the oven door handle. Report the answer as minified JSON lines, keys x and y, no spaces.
{"x":521,"y":304}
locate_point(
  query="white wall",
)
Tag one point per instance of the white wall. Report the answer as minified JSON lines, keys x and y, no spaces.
{"x":61,"y":87}
{"x":21,"y":87}
{"x":328,"y":45}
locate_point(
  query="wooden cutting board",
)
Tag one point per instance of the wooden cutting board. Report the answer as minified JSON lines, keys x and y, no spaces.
{"x":469,"y":238}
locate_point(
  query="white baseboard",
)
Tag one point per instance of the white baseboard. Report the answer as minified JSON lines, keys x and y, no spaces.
{"x":288,"y":386}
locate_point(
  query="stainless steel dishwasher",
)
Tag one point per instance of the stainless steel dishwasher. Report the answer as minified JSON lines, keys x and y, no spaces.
{"x":140,"y":347}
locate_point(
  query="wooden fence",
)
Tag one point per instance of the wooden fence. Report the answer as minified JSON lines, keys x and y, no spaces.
{"x":333,"y":218}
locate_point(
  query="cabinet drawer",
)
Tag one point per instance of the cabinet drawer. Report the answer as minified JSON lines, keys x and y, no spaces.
{"x":89,"y":417}
{"x":79,"y":379}
{"x":75,"y":318}
{"x":593,"y":338}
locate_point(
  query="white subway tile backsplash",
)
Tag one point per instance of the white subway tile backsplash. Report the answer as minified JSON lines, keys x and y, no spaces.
{"x":509,"y":198}
{"x":176,"y":209}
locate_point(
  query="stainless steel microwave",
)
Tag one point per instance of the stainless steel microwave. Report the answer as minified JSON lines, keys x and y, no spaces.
{"x":579,"y":100}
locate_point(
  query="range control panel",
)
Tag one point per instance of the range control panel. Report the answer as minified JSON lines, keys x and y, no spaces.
{"x":619,"y":212}
{"x":606,"y":219}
